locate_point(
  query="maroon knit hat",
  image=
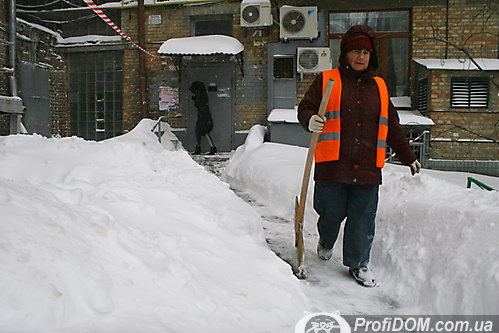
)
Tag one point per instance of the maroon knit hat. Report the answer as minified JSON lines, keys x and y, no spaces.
{"x":358,"y":41}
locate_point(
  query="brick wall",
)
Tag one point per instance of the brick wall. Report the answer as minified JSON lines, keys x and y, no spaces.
{"x":461,"y":133}
{"x":160,"y":71}
{"x":59,"y":101}
{"x":473,"y":27}
{"x":251,"y":90}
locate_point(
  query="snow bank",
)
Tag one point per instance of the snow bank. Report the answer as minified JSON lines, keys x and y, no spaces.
{"x":126,"y":236}
{"x":435,"y":250}
{"x":437,"y":244}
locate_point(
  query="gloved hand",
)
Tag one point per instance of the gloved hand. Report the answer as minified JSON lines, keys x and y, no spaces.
{"x":316,"y":123}
{"x":415,"y":167}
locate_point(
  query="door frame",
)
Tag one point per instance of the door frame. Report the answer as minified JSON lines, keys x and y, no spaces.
{"x":223,"y":69}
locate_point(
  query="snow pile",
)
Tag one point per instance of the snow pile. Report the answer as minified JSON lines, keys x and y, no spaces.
{"x":127,"y":236}
{"x":435,"y":250}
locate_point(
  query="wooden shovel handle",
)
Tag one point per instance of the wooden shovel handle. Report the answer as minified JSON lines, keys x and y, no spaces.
{"x":311,"y":152}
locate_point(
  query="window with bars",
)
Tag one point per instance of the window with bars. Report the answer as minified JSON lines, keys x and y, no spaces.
{"x":423,"y":94}
{"x":470,"y":92}
{"x":96,"y":94}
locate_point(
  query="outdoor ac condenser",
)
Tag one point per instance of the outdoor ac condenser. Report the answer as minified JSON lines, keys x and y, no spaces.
{"x":313,"y":59}
{"x":298,"y":23}
{"x":256,"y":14}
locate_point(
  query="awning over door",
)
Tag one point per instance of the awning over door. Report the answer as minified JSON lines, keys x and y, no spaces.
{"x":202,"y":45}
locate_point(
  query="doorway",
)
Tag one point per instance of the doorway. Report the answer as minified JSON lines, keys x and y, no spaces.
{"x":35,"y":91}
{"x":219,"y":82}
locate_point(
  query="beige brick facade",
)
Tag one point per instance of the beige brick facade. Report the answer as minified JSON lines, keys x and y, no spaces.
{"x":473,"y":29}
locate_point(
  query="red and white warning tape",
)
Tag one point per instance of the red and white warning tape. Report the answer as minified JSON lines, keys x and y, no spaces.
{"x":106,"y":19}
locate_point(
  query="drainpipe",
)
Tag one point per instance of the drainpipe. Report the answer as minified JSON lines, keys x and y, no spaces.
{"x":142,"y":62}
{"x":15,"y":118}
{"x":12,"y":48}
{"x":447,"y":30}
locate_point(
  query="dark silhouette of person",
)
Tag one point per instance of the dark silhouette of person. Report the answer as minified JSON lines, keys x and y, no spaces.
{"x":204,"y":124}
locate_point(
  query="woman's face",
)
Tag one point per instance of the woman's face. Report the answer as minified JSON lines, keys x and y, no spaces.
{"x":358,"y":59}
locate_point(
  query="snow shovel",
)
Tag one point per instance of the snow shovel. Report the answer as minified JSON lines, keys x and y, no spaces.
{"x":300,"y":204}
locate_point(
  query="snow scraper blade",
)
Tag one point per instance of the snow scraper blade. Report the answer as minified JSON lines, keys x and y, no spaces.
{"x":300,"y":203}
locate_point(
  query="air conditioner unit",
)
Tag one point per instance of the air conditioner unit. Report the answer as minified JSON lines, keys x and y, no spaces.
{"x":298,"y":22}
{"x":256,"y":14}
{"x":313,"y":59}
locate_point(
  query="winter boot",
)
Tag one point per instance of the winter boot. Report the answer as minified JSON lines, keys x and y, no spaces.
{"x":213,"y":150}
{"x":364,"y":276}
{"x":197,"y":150}
{"x":322,"y":252}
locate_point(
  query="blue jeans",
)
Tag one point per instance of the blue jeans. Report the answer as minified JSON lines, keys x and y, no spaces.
{"x":358,"y":204}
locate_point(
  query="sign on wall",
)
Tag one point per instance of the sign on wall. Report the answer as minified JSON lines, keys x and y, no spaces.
{"x":168,"y":98}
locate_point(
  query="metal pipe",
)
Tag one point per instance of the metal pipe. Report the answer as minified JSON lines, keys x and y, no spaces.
{"x":142,"y":61}
{"x":15,"y":118}
{"x":12,"y":48}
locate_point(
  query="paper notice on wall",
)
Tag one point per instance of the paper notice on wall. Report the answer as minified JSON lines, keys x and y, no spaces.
{"x":168,"y":98}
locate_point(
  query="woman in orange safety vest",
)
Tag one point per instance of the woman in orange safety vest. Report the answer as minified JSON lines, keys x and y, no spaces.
{"x":359,"y":123}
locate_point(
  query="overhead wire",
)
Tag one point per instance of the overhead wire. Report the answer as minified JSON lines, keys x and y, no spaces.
{"x":45,"y":5}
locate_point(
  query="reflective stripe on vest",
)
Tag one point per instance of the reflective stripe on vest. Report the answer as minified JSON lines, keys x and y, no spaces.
{"x":383,"y":122}
{"x":328,"y":146}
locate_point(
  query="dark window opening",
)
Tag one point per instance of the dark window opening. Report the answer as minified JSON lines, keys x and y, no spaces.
{"x":393,"y":31}
{"x":284,"y":67}
{"x":423,"y":94}
{"x":212,"y":25}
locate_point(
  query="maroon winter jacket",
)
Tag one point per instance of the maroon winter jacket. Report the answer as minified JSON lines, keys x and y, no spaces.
{"x":360,"y":109}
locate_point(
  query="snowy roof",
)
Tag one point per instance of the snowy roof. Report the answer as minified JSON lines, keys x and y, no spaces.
{"x":407,"y":117}
{"x":414,"y":117}
{"x":401,"y":102}
{"x":88,"y":40}
{"x":202,"y":45}
{"x":255,"y":1}
{"x":459,"y":64}
{"x":283,"y":116}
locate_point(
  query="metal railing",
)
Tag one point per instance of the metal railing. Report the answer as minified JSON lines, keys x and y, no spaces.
{"x":480,"y":184}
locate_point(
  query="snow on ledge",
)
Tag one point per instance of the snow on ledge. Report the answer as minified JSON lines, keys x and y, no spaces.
{"x":202,"y":45}
{"x":414,"y":118}
{"x":459,"y":64}
{"x":407,"y":117}
{"x":283,"y":116}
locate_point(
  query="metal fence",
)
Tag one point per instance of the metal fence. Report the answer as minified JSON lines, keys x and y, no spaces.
{"x":489,"y":168}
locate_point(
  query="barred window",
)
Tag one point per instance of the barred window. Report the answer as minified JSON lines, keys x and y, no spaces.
{"x":469,"y":92}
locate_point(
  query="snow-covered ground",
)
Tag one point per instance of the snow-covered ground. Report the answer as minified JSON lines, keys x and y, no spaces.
{"x":435,"y":250}
{"x":130,"y":235}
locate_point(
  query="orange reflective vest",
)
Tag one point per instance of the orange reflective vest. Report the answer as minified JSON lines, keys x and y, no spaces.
{"x":328,"y":146}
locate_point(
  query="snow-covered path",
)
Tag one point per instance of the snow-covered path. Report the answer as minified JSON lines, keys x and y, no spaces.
{"x":328,"y":287}
{"x":435,"y":249}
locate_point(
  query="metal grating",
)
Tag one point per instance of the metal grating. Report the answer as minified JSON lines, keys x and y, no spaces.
{"x":469,"y":93}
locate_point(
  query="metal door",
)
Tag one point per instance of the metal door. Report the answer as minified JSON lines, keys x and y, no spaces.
{"x":219,"y":82}
{"x":35,"y":92}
